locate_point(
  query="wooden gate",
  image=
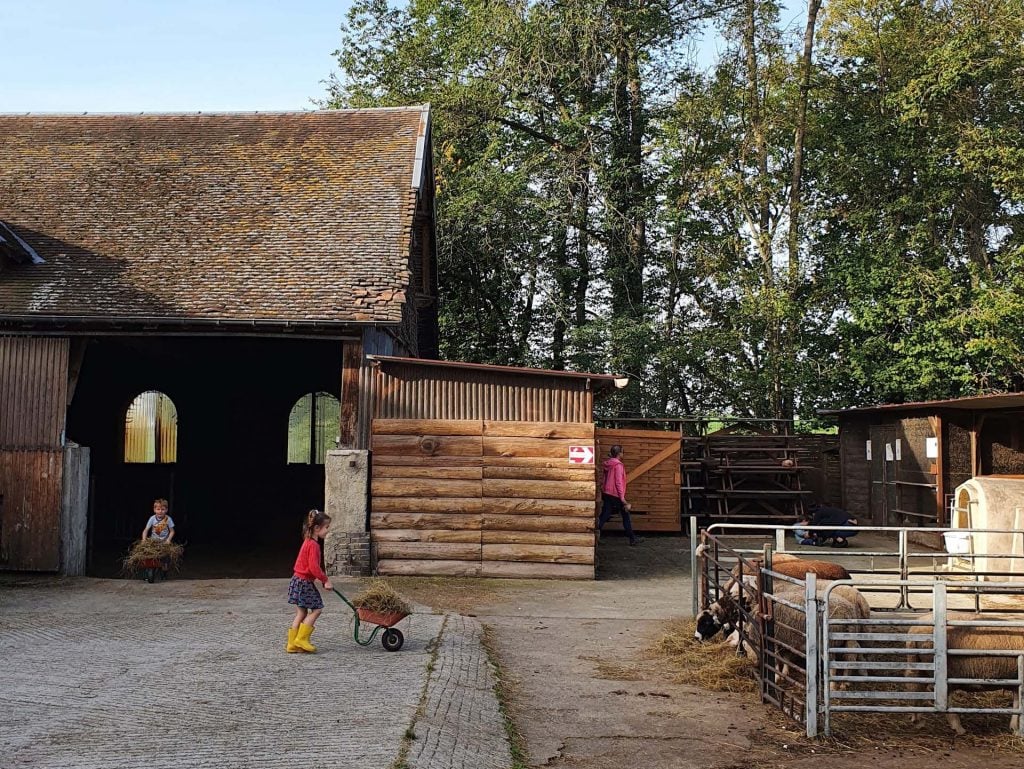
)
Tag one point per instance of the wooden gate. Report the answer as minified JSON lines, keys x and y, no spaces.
{"x":33,"y":400}
{"x":482,"y":498}
{"x":652,"y":476}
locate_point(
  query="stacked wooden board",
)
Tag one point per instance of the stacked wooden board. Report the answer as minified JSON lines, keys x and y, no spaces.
{"x":482,"y":498}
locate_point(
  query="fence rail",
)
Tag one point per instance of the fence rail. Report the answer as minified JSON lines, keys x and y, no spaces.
{"x":813,"y":666}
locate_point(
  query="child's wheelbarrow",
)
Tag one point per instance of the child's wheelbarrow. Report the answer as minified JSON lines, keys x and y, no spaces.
{"x":391,"y":639}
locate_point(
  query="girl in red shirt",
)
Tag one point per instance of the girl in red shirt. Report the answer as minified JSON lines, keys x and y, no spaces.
{"x":302,"y":590}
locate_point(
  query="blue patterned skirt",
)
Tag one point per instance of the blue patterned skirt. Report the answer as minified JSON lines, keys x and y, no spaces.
{"x":304,"y":594}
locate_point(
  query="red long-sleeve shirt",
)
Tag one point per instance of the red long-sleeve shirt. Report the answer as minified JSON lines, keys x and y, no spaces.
{"x":307,"y":565}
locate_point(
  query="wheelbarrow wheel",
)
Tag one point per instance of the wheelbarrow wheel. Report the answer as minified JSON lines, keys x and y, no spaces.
{"x":392,"y":639}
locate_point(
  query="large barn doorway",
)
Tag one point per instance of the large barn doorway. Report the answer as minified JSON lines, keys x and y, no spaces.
{"x":232,"y":431}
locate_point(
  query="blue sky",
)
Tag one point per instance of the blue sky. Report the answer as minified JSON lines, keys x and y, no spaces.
{"x":178,"y":55}
{"x":166,"y":55}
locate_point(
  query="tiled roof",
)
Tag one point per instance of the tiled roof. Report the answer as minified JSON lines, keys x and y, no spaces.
{"x":274,"y":217}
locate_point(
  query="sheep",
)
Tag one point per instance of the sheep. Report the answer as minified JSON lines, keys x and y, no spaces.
{"x":845,"y":603}
{"x":791,"y":566}
{"x":961,"y":666}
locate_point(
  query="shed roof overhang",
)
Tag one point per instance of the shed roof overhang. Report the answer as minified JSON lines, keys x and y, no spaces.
{"x":992,"y":402}
{"x":596,"y":381}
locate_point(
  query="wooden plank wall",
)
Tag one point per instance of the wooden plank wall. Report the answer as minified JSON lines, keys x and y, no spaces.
{"x":481,"y":498}
{"x":654,"y":495}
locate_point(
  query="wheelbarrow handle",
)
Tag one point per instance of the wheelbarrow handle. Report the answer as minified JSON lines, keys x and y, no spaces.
{"x":343,"y":598}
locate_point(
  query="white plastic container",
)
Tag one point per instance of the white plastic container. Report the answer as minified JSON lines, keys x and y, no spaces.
{"x":957,"y":542}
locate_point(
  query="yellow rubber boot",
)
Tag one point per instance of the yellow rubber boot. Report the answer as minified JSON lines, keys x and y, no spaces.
{"x":291,"y":647}
{"x":302,"y":638}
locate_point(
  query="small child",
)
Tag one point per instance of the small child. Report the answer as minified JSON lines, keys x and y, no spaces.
{"x":803,"y":536}
{"x":160,"y":527}
{"x":302,"y":590}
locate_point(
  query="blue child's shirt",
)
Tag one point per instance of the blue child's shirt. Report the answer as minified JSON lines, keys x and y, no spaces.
{"x":158,"y":529}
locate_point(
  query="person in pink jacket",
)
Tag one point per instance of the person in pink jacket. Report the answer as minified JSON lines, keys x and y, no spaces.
{"x":613,"y":493}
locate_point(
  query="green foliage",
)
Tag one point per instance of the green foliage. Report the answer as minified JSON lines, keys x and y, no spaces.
{"x":604,"y":203}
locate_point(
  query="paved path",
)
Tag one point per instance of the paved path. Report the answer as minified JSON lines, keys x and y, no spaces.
{"x":190,"y":674}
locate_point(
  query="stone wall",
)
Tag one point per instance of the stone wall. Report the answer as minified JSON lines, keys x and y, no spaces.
{"x":347,"y":546}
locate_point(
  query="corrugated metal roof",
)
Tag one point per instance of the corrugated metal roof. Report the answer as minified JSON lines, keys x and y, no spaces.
{"x":603,"y":379}
{"x":970,"y":403}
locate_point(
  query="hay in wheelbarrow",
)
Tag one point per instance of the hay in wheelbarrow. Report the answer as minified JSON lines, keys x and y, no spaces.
{"x":146,"y":551}
{"x":380,"y":598}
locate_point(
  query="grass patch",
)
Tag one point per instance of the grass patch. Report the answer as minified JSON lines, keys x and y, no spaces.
{"x":503,"y":690}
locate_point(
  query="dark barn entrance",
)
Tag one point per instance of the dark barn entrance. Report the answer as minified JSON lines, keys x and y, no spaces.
{"x":237,"y":489}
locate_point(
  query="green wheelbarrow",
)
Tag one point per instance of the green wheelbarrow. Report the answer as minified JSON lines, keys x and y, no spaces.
{"x":391,"y":639}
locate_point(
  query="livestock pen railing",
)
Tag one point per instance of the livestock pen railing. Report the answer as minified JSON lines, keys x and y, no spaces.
{"x":907,"y":664}
{"x":862,"y":664}
{"x":901,"y":562}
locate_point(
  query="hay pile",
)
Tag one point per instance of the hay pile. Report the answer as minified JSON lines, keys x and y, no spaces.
{"x":148,"y":550}
{"x":381,"y":598}
{"x":712,"y":666}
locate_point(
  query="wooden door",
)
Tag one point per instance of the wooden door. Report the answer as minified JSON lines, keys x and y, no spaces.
{"x":883,"y":475}
{"x":33,"y":403}
{"x":652,"y":476}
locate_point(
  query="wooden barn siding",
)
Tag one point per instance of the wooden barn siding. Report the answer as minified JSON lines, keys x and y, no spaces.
{"x":33,"y":391}
{"x":856,"y":469}
{"x":33,"y":403}
{"x":481,"y":498}
{"x":655,"y":494}
{"x":422,"y":392}
{"x":30,"y":509}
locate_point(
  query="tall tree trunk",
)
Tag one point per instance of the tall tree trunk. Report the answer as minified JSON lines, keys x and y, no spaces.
{"x":795,"y":201}
{"x":628,"y":236}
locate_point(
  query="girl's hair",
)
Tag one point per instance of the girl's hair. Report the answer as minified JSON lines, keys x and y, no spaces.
{"x":314,"y":520}
{"x":615,"y":450}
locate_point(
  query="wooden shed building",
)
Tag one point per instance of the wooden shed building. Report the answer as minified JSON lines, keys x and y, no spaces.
{"x":185,"y":304}
{"x":483,"y":470}
{"x":901,"y":463}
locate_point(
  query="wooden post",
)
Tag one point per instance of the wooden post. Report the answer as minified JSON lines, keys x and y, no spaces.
{"x":939,"y":427}
{"x":351,"y":360}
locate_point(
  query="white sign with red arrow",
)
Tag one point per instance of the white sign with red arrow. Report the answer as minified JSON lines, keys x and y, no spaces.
{"x":581,"y":455}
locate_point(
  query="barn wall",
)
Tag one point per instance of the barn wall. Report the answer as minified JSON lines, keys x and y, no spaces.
{"x":33,"y":401}
{"x":415,"y":391}
{"x":482,"y":498}
{"x":856,"y":469}
{"x":33,"y":391}
{"x":1001,"y":444}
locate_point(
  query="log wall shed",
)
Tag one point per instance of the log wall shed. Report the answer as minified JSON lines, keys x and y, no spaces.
{"x":218,"y":279}
{"x":902,"y":462}
{"x":483,"y":470}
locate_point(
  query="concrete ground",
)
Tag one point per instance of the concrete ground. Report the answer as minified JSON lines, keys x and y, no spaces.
{"x":104,"y":673}
{"x":189,"y":674}
{"x":585,"y":691}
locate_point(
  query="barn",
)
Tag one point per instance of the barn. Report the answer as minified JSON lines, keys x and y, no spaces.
{"x":901,"y":463}
{"x":186,"y":306}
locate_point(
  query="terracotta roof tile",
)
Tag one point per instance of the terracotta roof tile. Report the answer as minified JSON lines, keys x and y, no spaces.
{"x":259,"y":216}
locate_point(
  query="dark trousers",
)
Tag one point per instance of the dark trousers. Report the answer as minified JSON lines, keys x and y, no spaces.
{"x":612,"y":505}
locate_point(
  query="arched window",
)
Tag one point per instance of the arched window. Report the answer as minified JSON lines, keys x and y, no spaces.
{"x":151,"y":429}
{"x":313,"y":428}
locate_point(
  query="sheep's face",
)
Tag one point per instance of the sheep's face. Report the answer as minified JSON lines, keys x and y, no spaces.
{"x":707,"y":626}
